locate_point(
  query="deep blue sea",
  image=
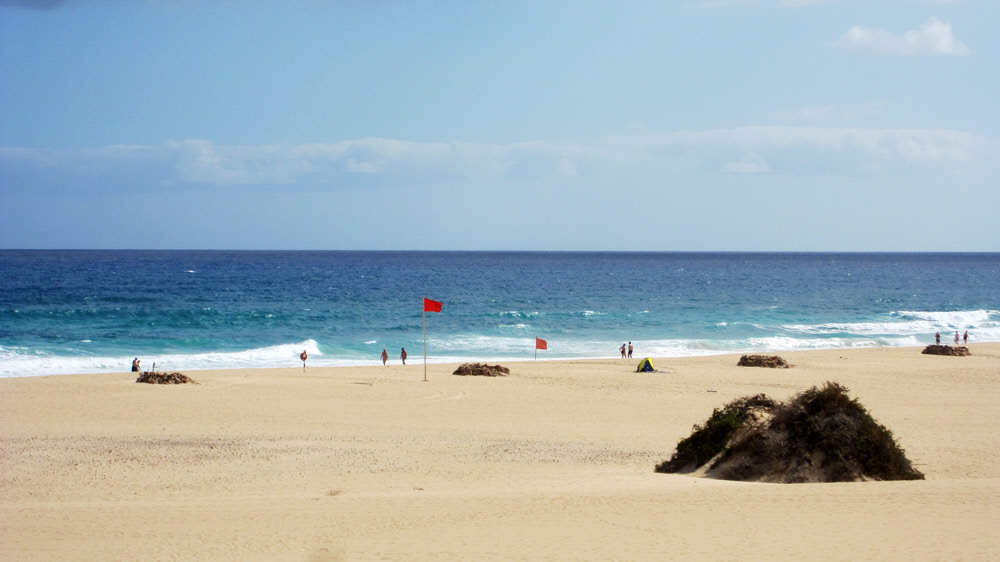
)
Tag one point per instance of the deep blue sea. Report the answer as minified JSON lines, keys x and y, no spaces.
{"x":93,"y":311}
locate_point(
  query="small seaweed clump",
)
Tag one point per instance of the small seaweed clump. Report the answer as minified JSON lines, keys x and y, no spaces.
{"x":820,"y":435}
{"x":153,"y":377}
{"x":957,"y":351}
{"x":771,"y":361}
{"x":481,"y":370}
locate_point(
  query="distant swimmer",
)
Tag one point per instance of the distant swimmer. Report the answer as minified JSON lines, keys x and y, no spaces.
{"x":402,"y":356}
{"x":385,"y":356}
{"x":135,"y":365}
{"x":629,"y":350}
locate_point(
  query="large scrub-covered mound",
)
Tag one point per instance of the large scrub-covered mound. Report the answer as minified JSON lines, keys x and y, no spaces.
{"x":820,"y":435}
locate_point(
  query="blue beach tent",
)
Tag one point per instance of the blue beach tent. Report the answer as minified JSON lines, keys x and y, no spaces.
{"x":645,"y":366}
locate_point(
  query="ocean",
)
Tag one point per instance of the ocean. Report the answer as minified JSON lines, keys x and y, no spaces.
{"x":75,"y":311}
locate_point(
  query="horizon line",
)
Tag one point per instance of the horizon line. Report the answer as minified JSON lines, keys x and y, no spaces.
{"x":519,"y":251}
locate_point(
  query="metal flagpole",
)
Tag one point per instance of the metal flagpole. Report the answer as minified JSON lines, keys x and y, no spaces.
{"x":425,"y":338}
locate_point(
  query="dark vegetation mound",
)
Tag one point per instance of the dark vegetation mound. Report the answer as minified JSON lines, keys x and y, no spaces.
{"x":482,"y":370}
{"x":820,"y":435}
{"x":710,"y":439}
{"x":772,"y":361}
{"x":153,"y":377}
{"x":959,"y":350}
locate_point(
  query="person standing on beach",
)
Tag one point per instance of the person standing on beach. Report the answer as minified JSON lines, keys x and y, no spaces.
{"x":385,"y":356}
{"x":629,"y":350}
{"x":403,"y":355}
{"x":135,"y":364}
{"x":937,"y":338}
{"x":622,"y":349}
{"x":956,"y":338}
{"x":965,"y":338}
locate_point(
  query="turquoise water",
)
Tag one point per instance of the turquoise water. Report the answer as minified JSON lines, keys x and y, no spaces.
{"x":92,"y":311}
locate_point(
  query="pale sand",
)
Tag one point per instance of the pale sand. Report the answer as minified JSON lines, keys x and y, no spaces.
{"x":554,"y":462}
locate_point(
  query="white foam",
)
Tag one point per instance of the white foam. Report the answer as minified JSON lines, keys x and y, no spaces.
{"x":911,"y":323}
{"x":518,"y":313}
{"x":20,"y":362}
{"x":474,"y":344}
{"x":956,"y":320}
{"x":909,"y":329}
{"x":864,"y":328}
{"x":690,"y":348}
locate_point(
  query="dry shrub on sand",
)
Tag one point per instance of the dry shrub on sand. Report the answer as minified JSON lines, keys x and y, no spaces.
{"x":957,"y":351}
{"x":153,"y":377}
{"x":772,"y":361}
{"x":481,"y":370}
{"x":820,"y":435}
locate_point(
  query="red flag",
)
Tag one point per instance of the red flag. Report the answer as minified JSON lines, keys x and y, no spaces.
{"x":541,"y":344}
{"x":432,"y":306}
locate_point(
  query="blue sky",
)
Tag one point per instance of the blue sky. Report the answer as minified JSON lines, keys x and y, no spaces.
{"x":766,"y":125}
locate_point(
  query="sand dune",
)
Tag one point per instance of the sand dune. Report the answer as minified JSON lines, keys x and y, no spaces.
{"x":553,"y":462}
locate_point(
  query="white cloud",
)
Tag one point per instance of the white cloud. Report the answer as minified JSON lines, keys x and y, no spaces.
{"x":371,"y":160}
{"x":817,"y":150}
{"x":567,"y":167}
{"x":374,"y":162}
{"x":933,"y":38}
{"x":750,"y":164}
{"x":935,"y":144}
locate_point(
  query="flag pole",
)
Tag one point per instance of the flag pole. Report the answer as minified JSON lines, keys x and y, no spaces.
{"x":425,"y":340}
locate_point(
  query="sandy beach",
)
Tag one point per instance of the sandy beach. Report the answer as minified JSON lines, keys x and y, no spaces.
{"x":553,"y":462}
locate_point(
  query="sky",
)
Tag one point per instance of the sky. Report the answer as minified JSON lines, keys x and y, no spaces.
{"x":693,"y":125}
